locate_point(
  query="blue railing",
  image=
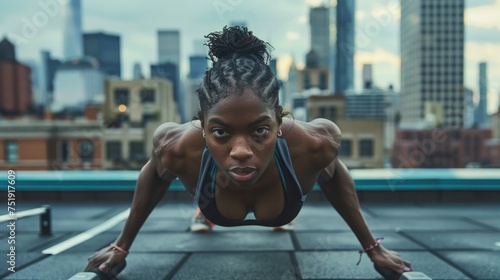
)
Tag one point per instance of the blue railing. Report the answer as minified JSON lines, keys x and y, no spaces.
{"x":366,"y":180}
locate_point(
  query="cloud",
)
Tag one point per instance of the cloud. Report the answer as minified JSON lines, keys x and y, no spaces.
{"x":485,"y":16}
{"x":292,"y":36}
{"x":386,"y":67}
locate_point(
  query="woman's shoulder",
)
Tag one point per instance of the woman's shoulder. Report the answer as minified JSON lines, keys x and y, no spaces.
{"x":175,"y":144}
{"x":318,"y":140}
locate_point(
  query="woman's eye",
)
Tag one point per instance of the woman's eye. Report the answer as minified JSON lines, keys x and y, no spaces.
{"x":262,"y":131}
{"x":219,"y":133}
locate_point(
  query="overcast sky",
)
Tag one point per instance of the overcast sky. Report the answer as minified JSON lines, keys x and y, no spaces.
{"x":284,"y":24}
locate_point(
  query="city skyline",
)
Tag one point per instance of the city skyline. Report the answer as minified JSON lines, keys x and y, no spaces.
{"x":38,"y":25}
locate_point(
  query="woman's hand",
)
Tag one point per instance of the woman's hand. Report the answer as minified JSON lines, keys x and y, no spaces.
{"x":382,"y":257}
{"x":106,"y":258}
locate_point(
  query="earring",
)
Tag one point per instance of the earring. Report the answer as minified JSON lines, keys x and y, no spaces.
{"x":280,"y":133}
{"x":203,"y":134}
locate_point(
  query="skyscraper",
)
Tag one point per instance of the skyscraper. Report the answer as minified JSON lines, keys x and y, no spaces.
{"x":169,"y":46}
{"x":432,"y":62}
{"x":333,"y":43}
{"x":344,"y":50}
{"x":73,"y":45}
{"x":48,"y":73}
{"x":320,"y":34}
{"x":481,"y":114}
{"x":169,"y":53}
{"x":106,"y":49}
{"x":169,"y":71}
{"x":367,"y":76}
{"x":137,"y":71}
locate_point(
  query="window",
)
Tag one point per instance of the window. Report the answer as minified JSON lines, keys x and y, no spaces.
{"x":86,"y":150}
{"x":64,"y":149}
{"x":136,"y":151}
{"x":114,"y":150}
{"x":346,"y":147}
{"x":147,"y":95}
{"x":11,"y":152}
{"x":122,"y":96}
{"x":366,"y":148}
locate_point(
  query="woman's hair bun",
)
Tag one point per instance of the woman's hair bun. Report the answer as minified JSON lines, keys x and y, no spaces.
{"x":236,"y":39}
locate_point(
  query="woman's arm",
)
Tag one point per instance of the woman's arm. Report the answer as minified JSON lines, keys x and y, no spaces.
{"x":149,"y":190}
{"x":338,"y":186}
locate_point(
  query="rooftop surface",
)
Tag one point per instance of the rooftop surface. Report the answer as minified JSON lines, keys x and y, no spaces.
{"x":443,"y":240}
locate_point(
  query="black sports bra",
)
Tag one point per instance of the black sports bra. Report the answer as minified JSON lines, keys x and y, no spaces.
{"x":294,"y":199}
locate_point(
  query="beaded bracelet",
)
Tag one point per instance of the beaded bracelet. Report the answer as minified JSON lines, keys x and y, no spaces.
{"x":118,"y":248}
{"x":369,"y":248}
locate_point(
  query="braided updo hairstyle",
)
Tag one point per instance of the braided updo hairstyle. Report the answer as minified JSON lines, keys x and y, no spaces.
{"x":239,"y":62}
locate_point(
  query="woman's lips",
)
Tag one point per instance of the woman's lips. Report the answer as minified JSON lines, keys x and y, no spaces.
{"x":242,"y":174}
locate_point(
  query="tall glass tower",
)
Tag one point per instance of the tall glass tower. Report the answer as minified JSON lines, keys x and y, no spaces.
{"x":344,"y":50}
{"x":481,"y":117}
{"x":73,"y":41}
{"x":432,"y":62}
{"x":320,"y":34}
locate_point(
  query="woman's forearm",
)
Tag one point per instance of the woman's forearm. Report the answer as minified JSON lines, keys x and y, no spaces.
{"x":149,"y":190}
{"x":341,"y":192}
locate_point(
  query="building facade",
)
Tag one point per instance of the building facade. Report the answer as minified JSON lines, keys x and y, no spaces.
{"x":50,"y":145}
{"x":106,"y":49}
{"x":362,"y":143}
{"x":432,"y":61}
{"x":442,"y":148}
{"x":15,"y":82}
{"x":139,"y":102}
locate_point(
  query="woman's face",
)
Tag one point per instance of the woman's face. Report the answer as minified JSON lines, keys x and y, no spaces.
{"x":241,"y":134}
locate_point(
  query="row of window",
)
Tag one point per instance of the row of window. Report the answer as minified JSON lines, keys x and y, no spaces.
{"x":114,"y":150}
{"x":122,"y":95}
{"x":366,"y":148}
{"x":85,"y":151}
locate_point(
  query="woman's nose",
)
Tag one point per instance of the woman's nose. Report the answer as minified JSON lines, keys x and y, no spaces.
{"x":240,"y":150}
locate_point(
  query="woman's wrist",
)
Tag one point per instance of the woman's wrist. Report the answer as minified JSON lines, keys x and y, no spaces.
{"x":371,"y":249}
{"x":117,"y":248}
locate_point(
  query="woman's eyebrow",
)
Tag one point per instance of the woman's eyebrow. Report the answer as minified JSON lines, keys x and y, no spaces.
{"x":222,"y":123}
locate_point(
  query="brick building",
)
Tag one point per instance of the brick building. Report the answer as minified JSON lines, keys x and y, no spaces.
{"x":442,"y":148}
{"x":15,"y":82}
{"x":50,"y":145}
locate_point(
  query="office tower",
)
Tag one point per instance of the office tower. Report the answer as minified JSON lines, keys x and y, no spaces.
{"x":469,"y":108}
{"x":169,"y":71}
{"x":432,"y":61}
{"x":77,"y":84}
{"x":333,"y":43}
{"x":15,"y":82}
{"x":481,"y":114}
{"x":367,"y":76}
{"x":137,"y":71}
{"x":106,"y":49}
{"x":344,"y":50}
{"x":169,"y":53}
{"x":320,"y":34}
{"x":169,"y":46}
{"x":73,"y":45}
{"x":198,"y":64}
{"x":48,"y":73}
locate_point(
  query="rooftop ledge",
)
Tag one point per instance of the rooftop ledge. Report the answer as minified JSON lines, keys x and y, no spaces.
{"x":365,"y":180}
